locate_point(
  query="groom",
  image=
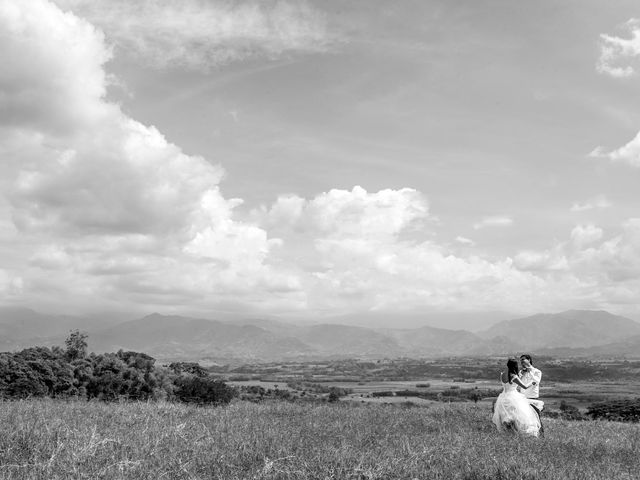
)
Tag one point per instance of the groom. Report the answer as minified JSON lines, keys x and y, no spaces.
{"x":530,"y":374}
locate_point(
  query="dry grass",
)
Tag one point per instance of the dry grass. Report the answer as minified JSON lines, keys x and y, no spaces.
{"x":58,"y":440}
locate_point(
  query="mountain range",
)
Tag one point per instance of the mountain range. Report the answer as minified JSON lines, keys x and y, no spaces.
{"x":172,"y":337}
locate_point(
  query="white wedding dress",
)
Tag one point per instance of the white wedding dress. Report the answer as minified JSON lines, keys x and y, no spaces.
{"x":512,"y":412}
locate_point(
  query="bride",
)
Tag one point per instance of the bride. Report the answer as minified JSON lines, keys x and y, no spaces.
{"x":512,"y":411}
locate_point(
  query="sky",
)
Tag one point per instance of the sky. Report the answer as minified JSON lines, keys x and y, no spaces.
{"x":305,"y":159}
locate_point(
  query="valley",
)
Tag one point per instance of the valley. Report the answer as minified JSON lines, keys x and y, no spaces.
{"x":579,"y":383}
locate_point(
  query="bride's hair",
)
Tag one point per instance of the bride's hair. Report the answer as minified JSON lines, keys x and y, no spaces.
{"x":512,"y":368}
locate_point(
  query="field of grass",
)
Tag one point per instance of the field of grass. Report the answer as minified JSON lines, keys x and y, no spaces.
{"x":279,"y":440}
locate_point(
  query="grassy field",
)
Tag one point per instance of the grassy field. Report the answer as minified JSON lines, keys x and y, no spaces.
{"x":280,"y":440}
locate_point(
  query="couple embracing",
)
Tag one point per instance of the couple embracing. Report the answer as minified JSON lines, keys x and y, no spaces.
{"x":518,"y":407}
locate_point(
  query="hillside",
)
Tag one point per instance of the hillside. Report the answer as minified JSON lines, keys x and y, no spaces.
{"x":303,"y":441}
{"x":570,"y":329}
{"x":629,"y":347}
{"x":432,"y":341}
{"x":182,"y":337}
{"x":173,"y":336}
{"x":26,"y":324}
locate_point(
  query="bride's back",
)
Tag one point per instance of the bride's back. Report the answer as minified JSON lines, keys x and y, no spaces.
{"x":506,"y":385}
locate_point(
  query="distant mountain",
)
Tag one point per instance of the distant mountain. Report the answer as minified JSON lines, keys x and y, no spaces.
{"x":570,"y":329}
{"x":172,"y":337}
{"x":344,"y":340}
{"x":26,"y":326}
{"x":430,"y":341}
{"x":177,"y":337}
{"x":629,"y":348}
{"x":471,"y":321}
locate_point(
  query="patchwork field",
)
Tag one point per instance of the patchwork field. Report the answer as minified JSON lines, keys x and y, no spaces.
{"x":580,"y":394}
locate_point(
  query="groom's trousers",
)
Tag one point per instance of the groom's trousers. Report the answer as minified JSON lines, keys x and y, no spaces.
{"x":539,"y":418}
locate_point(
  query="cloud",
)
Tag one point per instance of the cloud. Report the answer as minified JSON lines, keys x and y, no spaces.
{"x":70,"y":93}
{"x":617,"y":52}
{"x":629,"y":153}
{"x":345,"y":213}
{"x":616,"y":259}
{"x":591,"y":265}
{"x":583,"y":235}
{"x":541,"y":261}
{"x":465,"y":241}
{"x":201,"y":34}
{"x":105,"y":208}
{"x":493,"y":221}
{"x":101,"y":211}
{"x":617,"y":56}
{"x":363,"y":250}
{"x":598,"y":202}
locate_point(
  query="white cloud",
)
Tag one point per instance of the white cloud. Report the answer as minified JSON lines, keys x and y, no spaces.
{"x":204,"y":34}
{"x":617,"y":52}
{"x":286,"y":211}
{"x":629,"y":153}
{"x":10,"y":285}
{"x":366,"y":250}
{"x":39,"y":90}
{"x":541,"y":261}
{"x":616,"y":259}
{"x":599,"y":202}
{"x":583,"y":235}
{"x":345,"y":213}
{"x":465,"y":241}
{"x":591,"y":265}
{"x":617,"y":56}
{"x":105,"y":207}
{"x":104,"y":212}
{"x":494,"y":221}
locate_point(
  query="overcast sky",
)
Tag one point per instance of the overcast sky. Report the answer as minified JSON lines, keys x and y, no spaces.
{"x":315,"y":158}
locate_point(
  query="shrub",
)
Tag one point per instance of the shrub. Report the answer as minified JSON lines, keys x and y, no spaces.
{"x":203,"y":390}
{"x":618,"y":410}
{"x":570,"y":412}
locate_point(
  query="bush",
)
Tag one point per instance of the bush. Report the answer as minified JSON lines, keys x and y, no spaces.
{"x":617,"y":410}
{"x":570,"y":412}
{"x":203,"y":390}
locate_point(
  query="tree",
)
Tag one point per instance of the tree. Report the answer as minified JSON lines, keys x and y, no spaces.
{"x":76,"y":344}
{"x":35,"y":372}
{"x":124,"y":375}
{"x":192,"y":368}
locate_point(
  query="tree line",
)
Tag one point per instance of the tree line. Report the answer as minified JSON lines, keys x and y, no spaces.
{"x":72,"y":371}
